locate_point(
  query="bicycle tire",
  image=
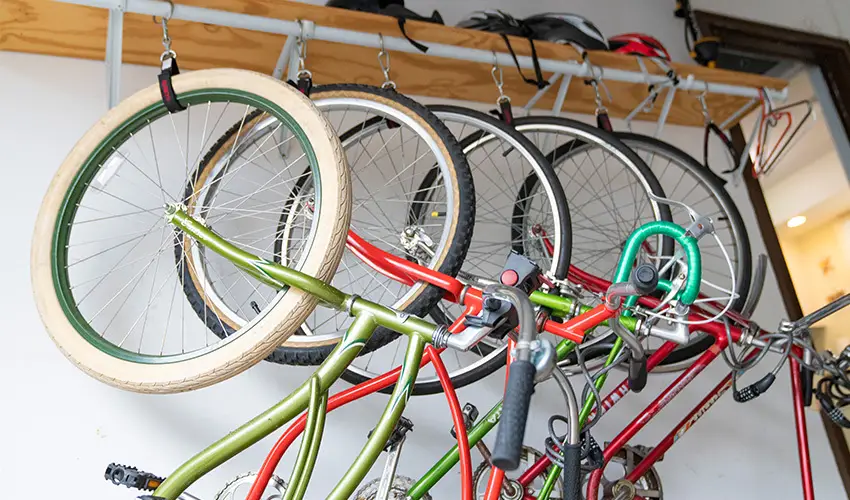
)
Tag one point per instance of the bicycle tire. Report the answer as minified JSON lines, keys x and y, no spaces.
{"x":483,"y":133}
{"x":583,"y":135}
{"x":59,"y":308}
{"x":715,"y":186}
{"x":576,"y":141}
{"x":683,"y":355}
{"x":423,"y":297}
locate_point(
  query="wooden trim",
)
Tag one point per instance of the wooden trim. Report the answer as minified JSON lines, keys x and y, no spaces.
{"x":832,"y":57}
{"x":46,"y":27}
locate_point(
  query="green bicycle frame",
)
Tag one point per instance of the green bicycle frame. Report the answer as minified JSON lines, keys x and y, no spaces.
{"x":313,"y":393}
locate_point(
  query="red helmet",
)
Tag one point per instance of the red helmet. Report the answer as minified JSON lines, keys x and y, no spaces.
{"x":637,"y":44}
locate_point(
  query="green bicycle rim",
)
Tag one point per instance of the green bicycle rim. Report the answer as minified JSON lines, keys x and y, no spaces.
{"x":87,"y":172}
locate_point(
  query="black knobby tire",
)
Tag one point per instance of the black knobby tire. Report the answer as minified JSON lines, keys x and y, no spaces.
{"x":427,"y":297}
{"x":560,"y":269}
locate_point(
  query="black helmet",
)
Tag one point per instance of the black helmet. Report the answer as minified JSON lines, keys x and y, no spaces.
{"x":495,"y":21}
{"x":566,"y":29}
{"x":394,"y":8}
{"x":557,"y":28}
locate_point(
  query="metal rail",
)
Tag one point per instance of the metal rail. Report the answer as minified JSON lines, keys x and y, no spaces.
{"x":398,"y":44}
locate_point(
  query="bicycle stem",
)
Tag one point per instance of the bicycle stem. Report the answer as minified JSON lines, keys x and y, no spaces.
{"x":525,"y":311}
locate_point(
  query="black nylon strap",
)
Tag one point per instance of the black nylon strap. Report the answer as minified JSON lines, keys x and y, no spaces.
{"x":712,"y":128}
{"x":603,"y":121}
{"x":419,"y":46}
{"x":538,"y":80}
{"x":304,"y":85}
{"x":506,"y":112}
{"x":166,"y":89}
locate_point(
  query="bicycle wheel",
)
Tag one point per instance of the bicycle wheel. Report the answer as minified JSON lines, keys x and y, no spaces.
{"x":392,"y":144}
{"x":104,"y":276}
{"x":685,"y":179}
{"x":516,"y":191}
{"x":608,"y":187}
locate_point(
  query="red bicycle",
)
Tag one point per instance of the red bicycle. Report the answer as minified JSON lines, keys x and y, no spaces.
{"x":792,"y":341}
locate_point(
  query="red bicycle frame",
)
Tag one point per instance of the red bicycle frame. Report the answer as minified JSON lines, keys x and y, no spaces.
{"x":408,"y":272}
{"x":717,"y":331}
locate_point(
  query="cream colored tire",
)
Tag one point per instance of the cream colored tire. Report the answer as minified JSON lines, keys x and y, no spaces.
{"x":256,"y":340}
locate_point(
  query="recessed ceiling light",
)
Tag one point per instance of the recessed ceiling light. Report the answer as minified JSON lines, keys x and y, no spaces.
{"x":797,"y":220}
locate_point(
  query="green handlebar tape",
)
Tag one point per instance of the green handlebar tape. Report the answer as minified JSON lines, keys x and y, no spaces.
{"x":678,"y":233}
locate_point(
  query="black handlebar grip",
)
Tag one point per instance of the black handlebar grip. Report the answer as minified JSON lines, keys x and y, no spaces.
{"x":645,"y":279}
{"x":637,"y":374}
{"x":572,"y":472}
{"x":754,"y":390}
{"x":509,"y":437}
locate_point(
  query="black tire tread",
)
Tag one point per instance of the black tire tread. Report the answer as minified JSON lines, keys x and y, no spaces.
{"x":427,"y":297}
{"x":495,"y":363}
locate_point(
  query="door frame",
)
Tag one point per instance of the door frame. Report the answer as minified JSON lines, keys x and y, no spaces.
{"x":832,"y":57}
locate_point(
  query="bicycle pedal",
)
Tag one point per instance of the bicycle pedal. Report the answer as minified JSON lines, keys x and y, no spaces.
{"x":402,"y":427}
{"x":132,"y":477}
{"x":470,"y":415}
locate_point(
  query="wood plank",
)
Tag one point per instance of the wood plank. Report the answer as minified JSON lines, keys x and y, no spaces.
{"x":44,"y":27}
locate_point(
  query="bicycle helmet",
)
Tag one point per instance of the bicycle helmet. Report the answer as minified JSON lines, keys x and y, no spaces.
{"x":566,"y":29}
{"x":638,"y":44}
{"x":495,"y":21}
{"x":394,"y":8}
{"x":558,"y":28}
